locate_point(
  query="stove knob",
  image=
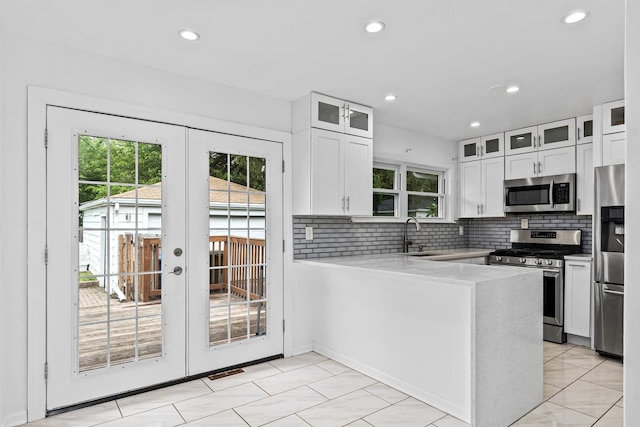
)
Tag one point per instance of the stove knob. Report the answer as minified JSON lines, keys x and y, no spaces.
{"x":498,"y":258}
{"x":538,"y":261}
{"x":548,"y":262}
{"x":522,"y":260}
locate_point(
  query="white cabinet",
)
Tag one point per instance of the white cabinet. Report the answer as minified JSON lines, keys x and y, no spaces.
{"x":609,"y":136}
{"x":613,"y":117}
{"x":541,"y":163}
{"x":480,"y":188}
{"x":584,"y":129}
{"x":614,"y":148}
{"x":577,"y":297}
{"x":325,"y":112}
{"x":542,"y":137}
{"x":481,"y":148}
{"x":584,"y":179}
{"x":332,"y":173}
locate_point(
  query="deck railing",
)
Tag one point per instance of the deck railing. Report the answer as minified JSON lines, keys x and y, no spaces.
{"x":236,"y":265}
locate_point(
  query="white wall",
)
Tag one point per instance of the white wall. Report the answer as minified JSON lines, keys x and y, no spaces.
{"x":412,"y":147}
{"x":632,"y":267}
{"x":2,"y":410}
{"x":33,"y":63}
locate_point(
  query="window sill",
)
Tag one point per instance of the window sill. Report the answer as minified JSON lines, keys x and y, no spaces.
{"x":383,"y":219}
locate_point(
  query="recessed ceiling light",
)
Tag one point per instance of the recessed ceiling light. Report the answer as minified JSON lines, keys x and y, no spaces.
{"x":189,"y":35}
{"x":474,"y":124}
{"x":374,"y":26}
{"x":513,"y":89}
{"x":390,"y":97}
{"x":574,"y":17}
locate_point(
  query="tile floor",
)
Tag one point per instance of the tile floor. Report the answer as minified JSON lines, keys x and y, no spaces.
{"x":581,"y":388}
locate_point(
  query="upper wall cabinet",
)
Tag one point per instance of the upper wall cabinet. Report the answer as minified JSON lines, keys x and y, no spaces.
{"x":609,"y":136}
{"x":613,"y":117}
{"x":584,"y":129}
{"x":481,"y":148}
{"x":542,"y":137}
{"x":324,"y":112}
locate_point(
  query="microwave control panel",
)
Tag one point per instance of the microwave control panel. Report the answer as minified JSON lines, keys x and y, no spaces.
{"x":561,"y":193}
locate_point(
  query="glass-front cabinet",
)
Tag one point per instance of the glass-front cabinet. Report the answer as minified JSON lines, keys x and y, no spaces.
{"x":341,"y":116}
{"x":584,"y":129}
{"x":481,"y":148}
{"x":521,"y":140}
{"x":469,"y":149}
{"x":613,"y":117}
{"x":557,"y":134}
{"x":542,"y":137}
{"x":492,"y":146}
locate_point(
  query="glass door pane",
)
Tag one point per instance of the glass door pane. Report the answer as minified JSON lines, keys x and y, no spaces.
{"x":237,"y":260}
{"x":119,"y":311}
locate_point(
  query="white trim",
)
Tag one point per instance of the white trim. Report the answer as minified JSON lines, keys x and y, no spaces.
{"x":38,"y":99}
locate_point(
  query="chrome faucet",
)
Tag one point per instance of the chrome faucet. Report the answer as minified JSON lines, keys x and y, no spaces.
{"x":406,"y":242}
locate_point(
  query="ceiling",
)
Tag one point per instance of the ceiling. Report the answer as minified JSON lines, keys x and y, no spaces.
{"x":440,"y":57}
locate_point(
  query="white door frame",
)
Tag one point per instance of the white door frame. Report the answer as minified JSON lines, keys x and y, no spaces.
{"x":38,"y":99}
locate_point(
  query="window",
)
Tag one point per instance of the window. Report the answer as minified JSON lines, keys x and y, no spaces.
{"x":386,"y":193}
{"x":403,"y":191}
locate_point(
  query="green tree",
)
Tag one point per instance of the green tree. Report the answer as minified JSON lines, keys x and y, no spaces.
{"x":242,"y":170}
{"x":109,"y":165}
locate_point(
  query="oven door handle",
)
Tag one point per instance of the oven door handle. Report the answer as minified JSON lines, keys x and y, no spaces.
{"x":551,"y":193}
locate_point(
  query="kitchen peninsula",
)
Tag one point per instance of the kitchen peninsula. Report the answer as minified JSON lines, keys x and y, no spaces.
{"x":464,"y":338}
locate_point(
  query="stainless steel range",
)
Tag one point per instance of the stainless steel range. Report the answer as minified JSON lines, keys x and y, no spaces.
{"x":544,"y":249}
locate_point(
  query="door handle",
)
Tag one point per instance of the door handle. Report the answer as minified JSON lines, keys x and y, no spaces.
{"x":177,"y":271}
{"x":607,"y":291}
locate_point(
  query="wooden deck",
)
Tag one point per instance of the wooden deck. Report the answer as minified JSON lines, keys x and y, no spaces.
{"x":97,"y":350}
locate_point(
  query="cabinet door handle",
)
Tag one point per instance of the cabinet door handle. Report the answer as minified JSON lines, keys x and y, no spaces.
{"x":534,"y":141}
{"x":534,"y":168}
{"x":539,"y":168}
{"x":478,"y":207}
{"x":578,"y":202}
{"x":576,"y":265}
{"x":481,"y":151}
{"x":481,"y":208}
{"x":578,"y":132}
{"x":343,"y":203}
{"x":607,"y":291}
{"x":477,"y":151}
{"x":348,"y":204}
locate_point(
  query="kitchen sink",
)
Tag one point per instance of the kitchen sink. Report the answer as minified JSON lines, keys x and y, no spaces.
{"x":423,"y":253}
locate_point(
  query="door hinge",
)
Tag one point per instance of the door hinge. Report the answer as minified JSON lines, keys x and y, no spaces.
{"x":283,"y":166}
{"x":46,"y":138}
{"x":46,"y":255}
{"x":46,"y":371}
{"x":282,"y":325}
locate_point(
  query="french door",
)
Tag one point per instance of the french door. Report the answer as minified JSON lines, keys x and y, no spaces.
{"x":162,"y":256}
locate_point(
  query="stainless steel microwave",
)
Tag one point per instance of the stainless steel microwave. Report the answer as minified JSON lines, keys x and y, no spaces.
{"x":555,"y":193}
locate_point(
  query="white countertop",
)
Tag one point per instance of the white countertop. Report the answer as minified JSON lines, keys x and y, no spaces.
{"x":445,"y":272}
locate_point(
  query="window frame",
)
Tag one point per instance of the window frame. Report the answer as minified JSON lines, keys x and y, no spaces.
{"x":402,"y":195}
{"x":397,"y":178}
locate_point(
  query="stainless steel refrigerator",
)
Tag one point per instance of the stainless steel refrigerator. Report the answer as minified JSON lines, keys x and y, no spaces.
{"x":608,"y":241}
